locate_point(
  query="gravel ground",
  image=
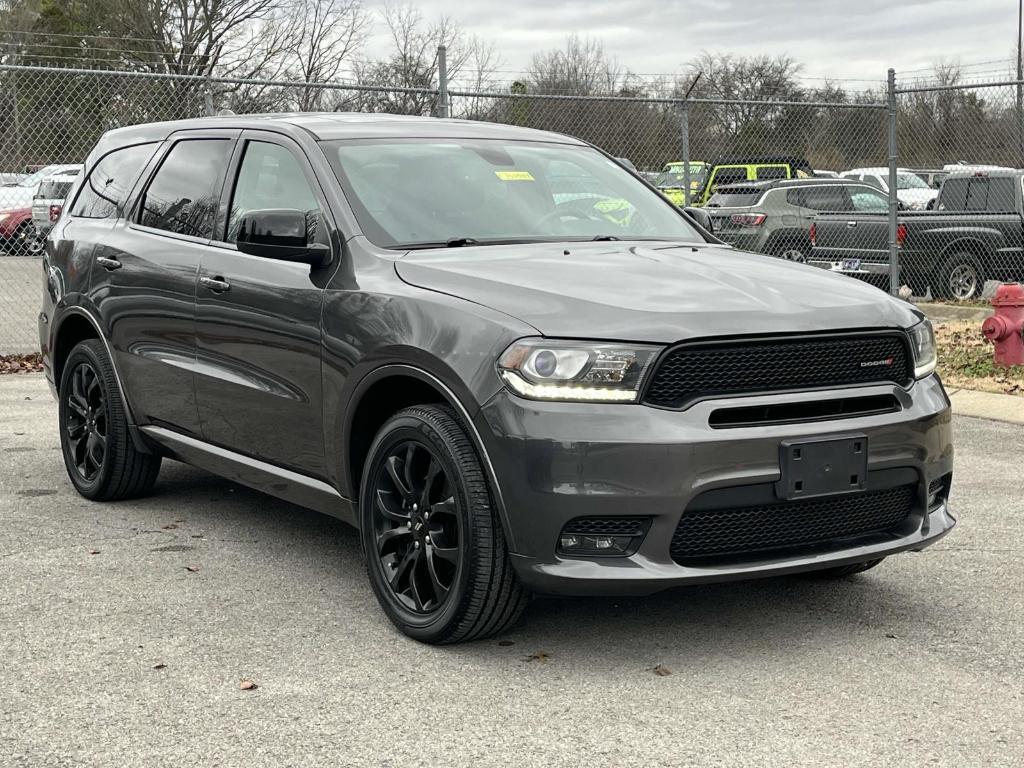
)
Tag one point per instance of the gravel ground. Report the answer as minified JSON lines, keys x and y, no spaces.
{"x":125,"y":630}
{"x":21,"y":288}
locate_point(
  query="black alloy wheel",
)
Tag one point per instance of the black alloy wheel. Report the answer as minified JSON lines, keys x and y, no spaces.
{"x":85,"y":421}
{"x":418,"y":529}
{"x":434,"y":544}
{"x":102,"y":460}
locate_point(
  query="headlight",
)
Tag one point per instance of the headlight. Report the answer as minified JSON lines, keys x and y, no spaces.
{"x":543,"y":369}
{"x":922,"y":340}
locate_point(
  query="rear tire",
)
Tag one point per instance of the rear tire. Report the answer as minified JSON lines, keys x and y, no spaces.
{"x":99,"y":454}
{"x":960,"y":277}
{"x":435,"y":551}
{"x":844,"y":570}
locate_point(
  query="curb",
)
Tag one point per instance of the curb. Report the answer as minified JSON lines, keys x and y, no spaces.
{"x":987,"y":405}
{"x":947,"y":313}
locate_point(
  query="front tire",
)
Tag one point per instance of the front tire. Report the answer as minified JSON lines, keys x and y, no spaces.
{"x":99,"y":454}
{"x":435,"y":551}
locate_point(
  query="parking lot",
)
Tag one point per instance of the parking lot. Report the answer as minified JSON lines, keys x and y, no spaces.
{"x":21,"y":284}
{"x":127,"y":629}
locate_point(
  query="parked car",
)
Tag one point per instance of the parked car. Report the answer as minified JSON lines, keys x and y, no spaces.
{"x":774,"y":217}
{"x":18,"y":235}
{"x":731,"y":170}
{"x":390,"y":319}
{"x":10,"y":178}
{"x":20,"y":195}
{"x":672,"y":181}
{"x":49,"y":199}
{"x":974,"y":234}
{"x":820,"y":173}
{"x":911,"y":190}
{"x":933,"y":178}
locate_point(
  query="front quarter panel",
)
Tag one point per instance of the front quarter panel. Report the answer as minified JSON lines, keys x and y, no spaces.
{"x":372,"y":319}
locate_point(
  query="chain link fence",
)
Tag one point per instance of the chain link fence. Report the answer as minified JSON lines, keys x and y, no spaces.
{"x":851,"y":186}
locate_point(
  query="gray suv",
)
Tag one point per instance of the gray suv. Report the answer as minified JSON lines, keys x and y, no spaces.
{"x":774,"y":217}
{"x":509,"y":384}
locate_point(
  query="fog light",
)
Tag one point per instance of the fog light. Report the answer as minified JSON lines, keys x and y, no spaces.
{"x":575,"y":544}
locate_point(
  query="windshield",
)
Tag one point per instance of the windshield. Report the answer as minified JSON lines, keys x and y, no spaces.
{"x":676,"y":178}
{"x":35,"y":178}
{"x":910,"y":181}
{"x":432,"y":193}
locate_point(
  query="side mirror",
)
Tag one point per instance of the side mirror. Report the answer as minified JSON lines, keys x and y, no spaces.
{"x":702,"y":217}
{"x":279,"y":233}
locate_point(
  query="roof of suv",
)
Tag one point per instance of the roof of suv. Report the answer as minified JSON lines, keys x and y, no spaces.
{"x":777,"y":183}
{"x":340,"y":125}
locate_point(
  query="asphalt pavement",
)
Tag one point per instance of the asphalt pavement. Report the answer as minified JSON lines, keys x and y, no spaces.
{"x":126,"y":631}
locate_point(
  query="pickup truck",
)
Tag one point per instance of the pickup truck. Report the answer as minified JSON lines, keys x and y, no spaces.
{"x":975,"y":233}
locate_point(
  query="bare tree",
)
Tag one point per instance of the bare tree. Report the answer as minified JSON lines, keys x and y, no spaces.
{"x":327,"y":34}
{"x":412,"y":63}
{"x":581,"y":68}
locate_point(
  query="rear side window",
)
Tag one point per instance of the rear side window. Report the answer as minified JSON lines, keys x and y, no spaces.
{"x":729,"y":175}
{"x":1000,"y":195}
{"x":110,"y":180}
{"x":872,"y":181}
{"x":977,"y":195}
{"x":184,"y":195}
{"x":827,"y":198}
{"x":953,"y":196}
{"x":868,"y":201}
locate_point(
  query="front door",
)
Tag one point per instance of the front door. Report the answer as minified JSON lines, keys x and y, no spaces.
{"x":258,"y":333}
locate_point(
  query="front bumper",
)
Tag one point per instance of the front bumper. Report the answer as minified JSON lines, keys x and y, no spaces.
{"x":558,"y":461}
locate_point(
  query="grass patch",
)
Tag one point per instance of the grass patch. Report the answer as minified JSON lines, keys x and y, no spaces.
{"x":966,"y":361}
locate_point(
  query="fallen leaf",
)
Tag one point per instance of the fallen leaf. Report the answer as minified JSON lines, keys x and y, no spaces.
{"x":540,"y":656}
{"x":662,"y":671}
{"x":506,"y":643}
{"x":170,"y":527}
{"x":247,"y":685}
{"x":161,"y":665}
{"x":890,"y":636}
{"x":192,"y":568}
{"x":94,"y":551}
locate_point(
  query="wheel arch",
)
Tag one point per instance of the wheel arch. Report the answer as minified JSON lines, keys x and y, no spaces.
{"x":383,"y":392}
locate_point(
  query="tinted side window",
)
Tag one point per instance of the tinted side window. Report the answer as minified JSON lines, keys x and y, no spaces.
{"x":727,"y":174}
{"x":828,"y":198}
{"x":110,"y":180}
{"x":868,"y":201}
{"x":271,"y":177}
{"x":184,"y":195}
{"x":1000,"y":195}
{"x":977,"y":195}
{"x":953,"y":196}
{"x":797,"y":197}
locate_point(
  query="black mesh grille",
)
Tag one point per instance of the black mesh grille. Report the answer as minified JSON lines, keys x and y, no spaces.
{"x":744,"y":530}
{"x":607,"y":526}
{"x":690,"y":372}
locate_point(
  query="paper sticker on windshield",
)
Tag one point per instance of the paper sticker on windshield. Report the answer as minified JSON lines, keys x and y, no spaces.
{"x":514,"y":175}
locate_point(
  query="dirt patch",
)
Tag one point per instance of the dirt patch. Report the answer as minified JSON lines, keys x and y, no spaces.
{"x":965,"y":361}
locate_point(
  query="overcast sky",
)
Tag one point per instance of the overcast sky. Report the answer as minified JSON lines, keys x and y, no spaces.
{"x":832,"y":38}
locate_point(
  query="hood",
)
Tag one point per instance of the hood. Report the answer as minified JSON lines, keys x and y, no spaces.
{"x":652,"y":292}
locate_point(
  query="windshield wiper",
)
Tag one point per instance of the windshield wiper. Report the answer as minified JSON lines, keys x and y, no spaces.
{"x":597,"y":238}
{"x":459,"y":242}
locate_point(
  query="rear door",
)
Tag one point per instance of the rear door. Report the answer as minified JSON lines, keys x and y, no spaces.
{"x":859,"y":231}
{"x":145,"y":268}
{"x":258,"y":333}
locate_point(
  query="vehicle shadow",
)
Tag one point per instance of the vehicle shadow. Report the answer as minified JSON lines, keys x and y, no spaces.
{"x":747,"y":619}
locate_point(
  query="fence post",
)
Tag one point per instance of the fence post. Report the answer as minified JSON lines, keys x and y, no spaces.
{"x":442,"y":81}
{"x":894,"y":254}
{"x":684,"y":138}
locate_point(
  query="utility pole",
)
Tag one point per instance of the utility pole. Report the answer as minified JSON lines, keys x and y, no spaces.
{"x":684,"y":131}
{"x":442,"y":81}
{"x":1020,"y":76}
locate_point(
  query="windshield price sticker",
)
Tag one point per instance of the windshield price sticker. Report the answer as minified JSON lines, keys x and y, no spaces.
{"x":514,"y":175}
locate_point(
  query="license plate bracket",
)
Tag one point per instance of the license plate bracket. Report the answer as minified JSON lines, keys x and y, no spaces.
{"x":822,"y":467}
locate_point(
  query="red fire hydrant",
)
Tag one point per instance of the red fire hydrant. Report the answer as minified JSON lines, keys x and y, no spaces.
{"x":1005,"y":329}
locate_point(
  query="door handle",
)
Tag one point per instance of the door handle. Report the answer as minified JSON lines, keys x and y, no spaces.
{"x":217,"y":285}
{"x":108,"y":264}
